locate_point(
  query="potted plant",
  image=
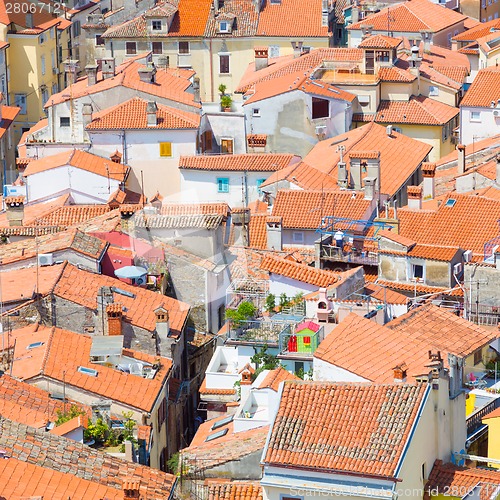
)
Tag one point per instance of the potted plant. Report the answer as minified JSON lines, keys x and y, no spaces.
{"x":225,"y":102}
{"x":222,"y":89}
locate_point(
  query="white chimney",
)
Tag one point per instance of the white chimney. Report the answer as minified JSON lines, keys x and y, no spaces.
{"x":342,"y":174}
{"x":108,"y":67}
{"x":414,"y":197}
{"x":151,"y":114}
{"x":91,"y":70}
{"x":461,"y":159}
{"x":429,"y":175}
{"x":261,"y":57}
{"x":297,"y":49}
{"x":86,"y":114}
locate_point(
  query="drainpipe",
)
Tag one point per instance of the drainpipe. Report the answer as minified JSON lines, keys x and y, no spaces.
{"x":211,"y":73}
{"x":245,"y":186}
{"x":124,"y":146}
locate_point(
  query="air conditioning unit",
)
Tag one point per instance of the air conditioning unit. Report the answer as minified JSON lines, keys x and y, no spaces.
{"x":321,"y":131}
{"x":457,"y":269}
{"x":467,"y":255}
{"x":55,"y":71}
{"x":496,"y":112}
{"x":45,"y":259}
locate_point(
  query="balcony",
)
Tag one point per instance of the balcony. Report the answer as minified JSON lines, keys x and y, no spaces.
{"x":353,"y":256}
{"x":258,"y":332}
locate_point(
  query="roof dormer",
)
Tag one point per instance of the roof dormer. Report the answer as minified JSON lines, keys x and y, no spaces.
{"x":225,"y":23}
{"x":158,"y":19}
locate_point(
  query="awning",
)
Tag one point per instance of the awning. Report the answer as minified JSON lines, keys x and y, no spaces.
{"x":131,"y":272}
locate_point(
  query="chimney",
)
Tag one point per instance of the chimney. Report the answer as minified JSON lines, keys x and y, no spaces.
{"x":163,"y":331}
{"x":342,"y":174}
{"x":426,"y":38}
{"x":116,"y":157}
{"x":324,"y":13}
{"x":196,"y":89}
{"x":429,"y":173}
{"x":366,"y":31}
{"x":497,"y":177}
{"x":297,"y":49}
{"x":70,"y":70}
{"x":129,"y":456}
{"x":354,"y":13}
{"x":108,"y":67}
{"x":388,"y":130}
{"x":14,"y":207}
{"x":114,"y":313}
{"x":414,"y":197}
{"x":29,"y":21}
{"x":91,"y":70}
{"x":400,"y":373}
{"x":261,"y":58}
{"x":245,"y":384}
{"x":131,"y":486}
{"x":147,"y":73}
{"x":461,"y":159}
{"x":274,"y":233}
{"x":151,"y":114}
{"x":86,"y":114}
{"x":240,"y":219}
{"x":370,"y":186}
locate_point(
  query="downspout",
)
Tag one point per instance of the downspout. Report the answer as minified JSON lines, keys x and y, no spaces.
{"x":245,"y":182}
{"x":7,"y":76}
{"x":124,"y":147}
{"x":211,"y":73}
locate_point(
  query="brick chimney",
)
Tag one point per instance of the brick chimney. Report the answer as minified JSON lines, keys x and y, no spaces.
{"x":274,"y":233}
{"x":114,"y":313}
{"x":14,"y":207}
{"x":261,"y":58}
{"x":414,"y":197}
{"x":91,"y":70}
{"x":461,"y":159}
{"x":245,"y":383}
{"x":70,"y":70}
{"x":400,"y":373}
{"x":116,"y":157}
{"x":131,"y":488}
{"x":151,"y":114}
{"x":429,"y":174}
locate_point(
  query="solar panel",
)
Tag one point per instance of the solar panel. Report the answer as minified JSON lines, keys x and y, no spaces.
{"x":35,"y":345}
{"x":216,"y":435}
{"x":223,"y":422}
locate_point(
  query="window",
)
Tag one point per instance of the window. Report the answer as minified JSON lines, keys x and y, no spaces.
{"x":20,"y":102}
{"x":274,"y":50}
{"x":55,"y":90}
{"x":53,"y":58}
{"x":76,"y":28}
{"x":364,"y":100}
{"x":397,"y":129}
{"x":99,"y":40}
{"x":162,"y":413}
{"x":320,"y":108}
{"x":483,"y":4}
{"x":450,"y":202}
{"x":299,"y":368}
{"x":64,"y":121}
{"x":130,"y":48}
{"x":475,"y":116}
{"x":224,"y":64}
{"x":157,"y":47}
{"x":222,"y":423}
{"x":183,"y":47}
{"x":42,"y":39}
{"x":53,"y":32}
{"x":298,"y":237}
{"x":226,"y":146}
{"x":216,"y":435}
{"x":165,"y":149}
{"x":418,"y":271}
{"x":45,"y":97}
{"x":449,"y":39}
{"x":224,"y":27}
{"x":259,"y":183}
{"x":34,"y":345}
{"x":256,"y":112}
{"x":42,"y":64}
{"x":156,"y":25}
{"x":478,"y":356}
{"x":433,"y":90}
{"x":223,"y":185}
{"x":88,"y":371}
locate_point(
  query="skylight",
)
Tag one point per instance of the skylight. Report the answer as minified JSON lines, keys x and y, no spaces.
{"x":223,"y":422}
{"x":216,"y":435}
{"x":88,"y":371}
{"x":34,"y":345}
{"x":122,"y":292}
{"x":450,"y":202}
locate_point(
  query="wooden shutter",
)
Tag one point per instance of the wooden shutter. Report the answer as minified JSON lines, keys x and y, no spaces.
{"x":165,"y":149}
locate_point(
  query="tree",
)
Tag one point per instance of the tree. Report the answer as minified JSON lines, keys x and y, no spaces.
{"x":264,"y":361}
{"x":270,"y":303}
{"x":245,"y":311}
{"x":129,"y":425}
{"x":97,"y":431}
{"x":73,"y":412}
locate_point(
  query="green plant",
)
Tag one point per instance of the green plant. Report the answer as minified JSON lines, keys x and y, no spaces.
{"x":298,"y":298}
{"x":245,"y":311}
{"x":270,"y":302}
{"x":129,"y":426}
{"x":222,"y":88}
{"x":226,"y":101}
{"x":73,"y":412}
{"x":173,"y":464}
{"x":264,"y":361}
{"x":284,"y":301}
{"x":98,"y":431}
{"x":237,"y":386}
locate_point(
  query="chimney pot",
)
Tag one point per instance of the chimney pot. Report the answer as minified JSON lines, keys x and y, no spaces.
{"x":114,"y":313}
{"x":147,"y":73}
{"x":151,"y":114}
{"x":261,"y":58}
{"x":108,"y":67}
{"x":461,"y":158}
{"x":14,"y":208}
{"x":91,"y":70}
{"x":429,"y":184}
{"x":414,"y":197}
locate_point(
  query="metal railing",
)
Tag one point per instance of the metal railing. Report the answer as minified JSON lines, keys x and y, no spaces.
{"x":474,"y":421}
{"x":257,"y":332}
{"x":337,"y":254}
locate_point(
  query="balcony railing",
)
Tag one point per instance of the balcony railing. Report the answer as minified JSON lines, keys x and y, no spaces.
{"x":337,"y":254}
{"x":474,"y":421}
{"x":257,"y":332}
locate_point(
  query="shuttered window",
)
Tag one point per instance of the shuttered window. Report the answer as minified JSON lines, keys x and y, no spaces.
{"x":224,"y":64}
{"x":165,"y":149}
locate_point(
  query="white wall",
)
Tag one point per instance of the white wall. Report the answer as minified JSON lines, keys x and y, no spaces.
{"x":310,"y":236}
{"x":326,"y":372}
{"x":474,"y":130}
{"x":201,"y":186}
{"x":281,"y":284}
{"x":84,"y":186}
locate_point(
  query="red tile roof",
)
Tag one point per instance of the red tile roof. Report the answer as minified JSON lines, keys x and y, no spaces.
{"x":419,"y":110}
{"x":484,"y":89}
{"x":132,"y":115}
{"x":478,"y":31}
{"x":64,"y":351}
{"x":380,"y":42}
{"x":237,"y":490}
{"x":298,"y":272}
{"x":400,"y":156}
{"x":41,"y":456}
{"x":215,"y":392}
{"x":252,"y":162}
{"x":81,"y":421}
{"x":170,"y":83}
{"x":305,"y":209}
{"x":412,"y":16}
{"x":243,"y":14}
{"x":81,"y":287}
{"x":78,"y":159}
{"x":289,"y":18}
{"x":43,"y":19}
{"x":343,"y":427}
{"x":9,"y":114}
{"x":274,"y":378}
{"x":397,"y":238}
{"x":195,"y":209}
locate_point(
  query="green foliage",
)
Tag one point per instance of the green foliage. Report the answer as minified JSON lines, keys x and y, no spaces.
{"x":73,"y":412}
{"x":222,"y":88}
{"x":226,"y":101}
{"x":129,"y":425}
{"x":284,"y":302}
{"x":270,"y":303}
{"x":98,"y":431}
{"x":298,"y":298}
{"x":173,"y":463}
{"x":245,"y":311}
{"x":264,"y":361}
{"x":304,"y":375}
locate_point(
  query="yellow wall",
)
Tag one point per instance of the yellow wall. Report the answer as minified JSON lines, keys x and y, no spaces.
{"x":493,"y":439}
{"x":446,"y":94}
{"x":391,"y":91}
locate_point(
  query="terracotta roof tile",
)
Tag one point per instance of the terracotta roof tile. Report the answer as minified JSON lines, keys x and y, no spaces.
{"x":412,"y":16}
{"x":478,"y":31}
{"x":42,"y":452}
{"x":71,"y":425}
{"x":64,"y":351}
{"x":178,"y":221}
{"x":289,"y":18}
{"x":397,"y":238}
{"x":434,"y":252}
{"x":195,"y":209}
{"x":132,"y":115}
{"x":237,"y":490}
{"x":305,"y":209}
{"x":9,"y":114}
{"x":252,"y":162}
{"x":274,"y":378}
{"x":484,"y":89}
{"x":204,"y":391}
{"x":79,"y":159}
{"x":395,"y":74}
{"x":420,"y":288}
{"x":245,"y":24}
{"x":299,"y":272}
{"x":380,"y":42}
{"x":364,"y":438}
{"x":43,"y":19}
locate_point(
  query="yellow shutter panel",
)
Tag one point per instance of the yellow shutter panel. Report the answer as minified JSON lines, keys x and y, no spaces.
{"x":165,"y":149}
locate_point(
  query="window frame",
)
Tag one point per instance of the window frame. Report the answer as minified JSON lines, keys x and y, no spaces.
{"x":167,"y":145}
{"x":66,"y":124}
{"x":228,"y":140}
{"x":414,"y":265}
{"x":23,"y":105}
{"x":478,"y":118}
{"x":99,"y":40}
{"x":128,"y":47}
{"x":186,"y":49}
{"x":225,"y":65}
{"x":160,"y":44}
{"x":259,"y":183}
{"x":295,"y":238}
{"x":43,"y":65}
{"x":478,"y":356}
{"x":154,"y":23}
{"x":256,"y":112}
{"x":319,"y":102}
{"x":222,"y":184}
